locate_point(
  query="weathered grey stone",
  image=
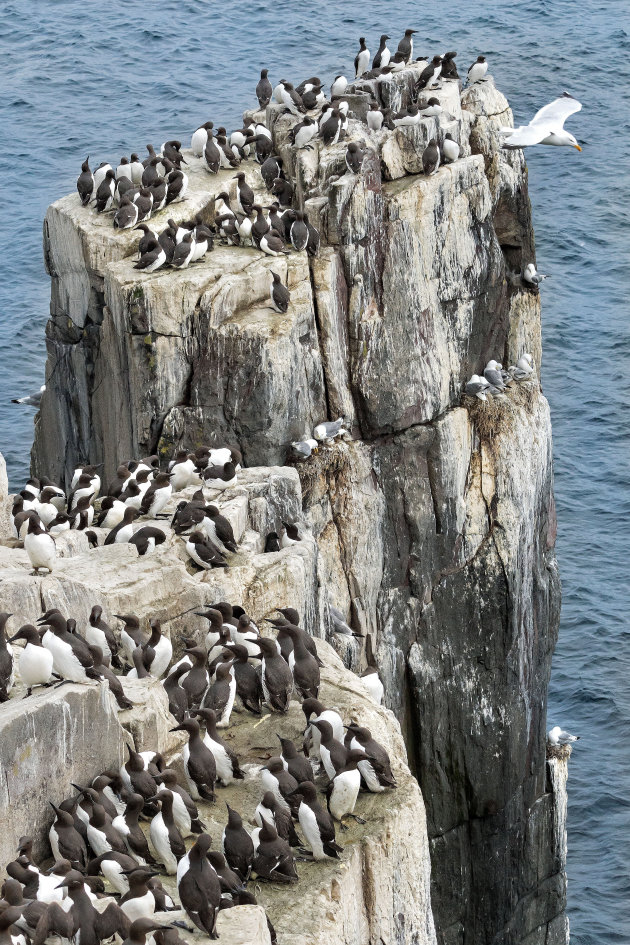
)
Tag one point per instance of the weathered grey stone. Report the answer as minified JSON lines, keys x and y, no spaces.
{"x":46,"y":742}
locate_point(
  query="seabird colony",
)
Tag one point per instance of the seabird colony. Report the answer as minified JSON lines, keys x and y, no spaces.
{"x":96,"y":831}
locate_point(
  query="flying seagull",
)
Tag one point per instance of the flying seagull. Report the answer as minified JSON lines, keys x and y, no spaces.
{"x":546,"y":127}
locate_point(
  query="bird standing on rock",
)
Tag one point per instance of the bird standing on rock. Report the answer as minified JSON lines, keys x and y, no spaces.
{"x":199,"y":888}
{"x":355,"y":155}
{"x":276,"y":677}
{"x":383,"y":55}
{"x":478,"y":70}
{"x":362,"y":59}
{"x":199,"y":764}
{"x":280,"y":295}
{"x":264,"y":89}
{"x":85,"y":183}
{"x":431,"y":158}
{"x":39,"y":546}
{"x":405,"y":46}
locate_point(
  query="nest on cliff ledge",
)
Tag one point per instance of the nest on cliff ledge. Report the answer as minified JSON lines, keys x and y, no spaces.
{"x":561,"y":752}
{"x":497,"y":416}
{"x":321,"y":468}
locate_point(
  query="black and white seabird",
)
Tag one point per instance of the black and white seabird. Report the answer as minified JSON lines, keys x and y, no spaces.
{"x":199,"y":764}
{"x":167,"y":841}
{"x":99,"y":174}
{"x":405,"y":46}
{"x":185,"y":811}
{"x":383,"y":55}
{"x":375,"y":117}
{"x":39,"y":546}
{"x":199,"y":887}
{"x":355,"y":155}
{"x":197,"y":679}
{"x":221,"y":693}
{"x":270,"y":169}
{"x":154,"y":256}
{"x":228,"y":768}
{"x":212,"y":154}
{"x":199,"y":138}
{"x":245,"y":194}
{"x":238,"y":847}
{"x":99,"y":633}
{"x":280,"y":295}
{"x":7,"y":668}
{"x":450,"y":148}
{"x":81,"y":918}
{"x":317,"y":824}
{"x":362,"y":59}
{"x":147,"y":538}
{"x":248,"y":682}
{"x":264,"y":89}
{"x":147,"y":242}
{"x":276,"y":677}
{"x":144,"y":202}
{"x":299,"y":232}
{"x":122,"y":532}
{"x":182,"y":256}
{"x":431,"y":158}
{"x":176,"y":187}
{"x":477,"y":71}
{"x":297,"y":765}
{"x":339,"y":86}
{"x":332,"y":751}
{"x":343,"y":789}
{"x":35,"y":662}
{"x":136,"y":168}
{"x":204,"y":552}
{"x":135,"y":776}
{"x":177,"y":695}
{"x":105,"y":192}
{"x":128,"y":827}
{"x":331,"y":128}
{"x":85,"y":183}
{"x":65,"y":840}
{"x":377,"y":772}
{"x":274,"y":859}
{"x":449,"y":69}
{"x":282,"y":189}
{"x":269,"y":809}
{"x":272,"y":244}
{"x":430,"y":76}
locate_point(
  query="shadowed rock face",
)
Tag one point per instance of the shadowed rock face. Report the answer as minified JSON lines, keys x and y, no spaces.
{"x":434,"y":541}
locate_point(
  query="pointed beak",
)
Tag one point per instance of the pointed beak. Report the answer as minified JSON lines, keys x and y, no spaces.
{"x":61,"y":885}
{"x":577,"y":147}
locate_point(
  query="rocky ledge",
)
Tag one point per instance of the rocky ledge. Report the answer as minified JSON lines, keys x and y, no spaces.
{"x":380,"y":888}
{"x":434,"y":525}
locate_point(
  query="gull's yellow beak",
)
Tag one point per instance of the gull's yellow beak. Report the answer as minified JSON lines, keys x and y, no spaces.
{"x":577,"y":147}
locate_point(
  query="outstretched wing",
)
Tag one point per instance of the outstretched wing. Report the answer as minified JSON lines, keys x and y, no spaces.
{"x":555,"y":114}
{"x":527,"y":135}
{"x":54,"y":921}
{"x":112,"y":920}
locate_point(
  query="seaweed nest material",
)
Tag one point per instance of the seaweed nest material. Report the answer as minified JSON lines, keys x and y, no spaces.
{"x":497,"y":416}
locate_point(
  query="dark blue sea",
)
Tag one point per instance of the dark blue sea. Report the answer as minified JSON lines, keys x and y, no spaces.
{"x":105,"y":78}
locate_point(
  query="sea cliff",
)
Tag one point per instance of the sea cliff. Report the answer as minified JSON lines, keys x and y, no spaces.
{"x":433,"y":528}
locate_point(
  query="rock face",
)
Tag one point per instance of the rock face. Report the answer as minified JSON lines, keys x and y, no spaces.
{"x":378,"y":891}
{"x":434,"y":526}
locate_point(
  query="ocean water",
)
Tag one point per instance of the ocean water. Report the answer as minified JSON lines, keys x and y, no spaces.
{"x":104,"y":79}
